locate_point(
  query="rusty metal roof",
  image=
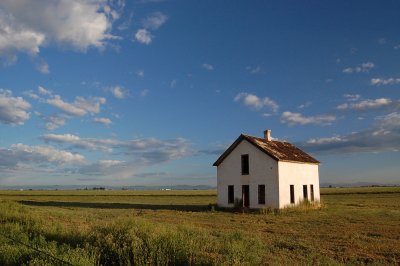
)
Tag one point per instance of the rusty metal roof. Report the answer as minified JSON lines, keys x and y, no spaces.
{"x":278,"y":150}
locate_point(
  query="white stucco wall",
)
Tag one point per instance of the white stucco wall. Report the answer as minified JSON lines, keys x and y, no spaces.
{"x":263,"y":170}
{"x":297,"y":174}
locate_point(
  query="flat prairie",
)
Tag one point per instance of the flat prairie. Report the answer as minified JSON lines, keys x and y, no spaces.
{"x":357,"y":226}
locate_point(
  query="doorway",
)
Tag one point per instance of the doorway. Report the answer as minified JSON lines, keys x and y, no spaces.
{"x":246,"y":195}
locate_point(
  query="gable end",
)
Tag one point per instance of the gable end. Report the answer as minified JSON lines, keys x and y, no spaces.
{"x":235,"y":144}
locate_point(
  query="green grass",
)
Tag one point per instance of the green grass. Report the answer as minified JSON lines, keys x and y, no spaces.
{"x":357,"y":226}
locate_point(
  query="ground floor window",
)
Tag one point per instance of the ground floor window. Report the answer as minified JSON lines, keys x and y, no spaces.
{"x":261,"y":194}
{"x":231,"y":196}
{"x":291,"y":193}
{"x":305,"y":192}
{"x":312,"y":192}
{"x":246,"y":195}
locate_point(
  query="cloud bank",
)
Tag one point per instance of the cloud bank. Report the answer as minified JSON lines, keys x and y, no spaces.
{"x":383,"y":136}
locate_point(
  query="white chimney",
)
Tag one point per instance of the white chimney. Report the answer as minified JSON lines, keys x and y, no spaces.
{"x":267,"y":135}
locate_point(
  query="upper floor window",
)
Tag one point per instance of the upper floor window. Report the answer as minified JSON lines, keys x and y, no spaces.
{"x":261,"y":194}
{"x":245,"y":164}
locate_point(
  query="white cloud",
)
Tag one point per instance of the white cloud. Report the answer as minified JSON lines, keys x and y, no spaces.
{"x":13,"y":110}
{"x":44,"y":91}
{"x":27,"y":26}
{"x":367,"y":104}
{"x":266,"y":115}
{"x":80,"y":107}
{"x":54,"y":122}
{"x":140,"y":73}
{"x":68,"y":108}
{"x":207,"y":66}
{"x":390,"y":121}
{"x":154,"y":21}
{"x":102,"y":120}
{"x":31,"y":94}
{"x":15,"y":37}
{"x":77,"y":142}
{"x":42,"y":154}
{"x":298,"y":119}
{"x":389,"y":81}
{"x":329,"y":140}
{"x":364,"y":67}
{"x":143,"y":151}
{"x":119,"y":92}
{"x":144,"y":36}
{"x":255,"y":102}
{"x":253,"y":70}
{"x":352,"y":97}
{"x":304,"y":105}
{"x":396,"y":47}
{"x":42,"y":67}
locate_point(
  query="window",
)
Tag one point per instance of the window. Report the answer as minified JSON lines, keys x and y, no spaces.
{"x":231,"y":197}
{"x":261,"y":194}
{"x":312,"y":192}
{"x":291,"y":193}
{"x":305,"y":194}
{"x":246,"y":195}
{"x":245,"y":164}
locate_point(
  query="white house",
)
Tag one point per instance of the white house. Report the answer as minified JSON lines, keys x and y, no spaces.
{"x":261,"y":173}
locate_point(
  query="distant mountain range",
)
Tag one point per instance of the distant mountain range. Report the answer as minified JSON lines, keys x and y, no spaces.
{"x":358,"y":184}
{"x":177,"y":187}
{"x":99,"y":187}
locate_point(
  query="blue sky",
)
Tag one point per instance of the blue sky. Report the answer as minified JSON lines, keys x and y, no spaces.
{"x":150,"y":92}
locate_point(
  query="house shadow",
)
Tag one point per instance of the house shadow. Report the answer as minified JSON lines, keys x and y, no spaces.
{"x":104,"y":205}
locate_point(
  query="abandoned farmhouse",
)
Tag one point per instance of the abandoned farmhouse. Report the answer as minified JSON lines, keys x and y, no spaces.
{"x":260,"y":173}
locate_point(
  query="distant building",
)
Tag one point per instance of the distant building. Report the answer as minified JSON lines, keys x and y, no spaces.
{"x":261,"y":172}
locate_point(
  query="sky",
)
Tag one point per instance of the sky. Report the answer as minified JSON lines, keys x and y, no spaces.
{"x":151,"y":92}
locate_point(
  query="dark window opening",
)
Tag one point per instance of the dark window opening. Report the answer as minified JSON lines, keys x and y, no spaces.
{"x":231,"y":196}
{"x":291,"y":193}
{"x":305,"y":194}
{"x":312,"y":192}
{"x":261,"y":194}
{"x":245,"y":164}
{"x":246,"y":195}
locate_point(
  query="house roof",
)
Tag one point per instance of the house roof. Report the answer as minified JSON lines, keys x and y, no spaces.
{"x":278,"y":150}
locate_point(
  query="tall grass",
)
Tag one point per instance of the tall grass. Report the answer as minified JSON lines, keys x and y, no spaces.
{"x":131,"y":241}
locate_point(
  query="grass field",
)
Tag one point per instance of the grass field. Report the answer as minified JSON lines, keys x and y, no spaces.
{"x":356,"y":226}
